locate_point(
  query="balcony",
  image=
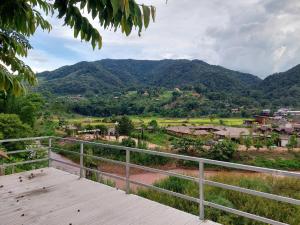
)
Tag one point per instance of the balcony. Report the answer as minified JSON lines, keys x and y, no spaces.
{"x":51,"y":196}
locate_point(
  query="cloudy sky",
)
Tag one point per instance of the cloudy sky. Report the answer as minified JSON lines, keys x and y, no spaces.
{"x":255,"y":36}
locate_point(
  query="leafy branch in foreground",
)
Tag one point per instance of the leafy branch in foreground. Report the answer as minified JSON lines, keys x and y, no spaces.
{"x":20,"y":19}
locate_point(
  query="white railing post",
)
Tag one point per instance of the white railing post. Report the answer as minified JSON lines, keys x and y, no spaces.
{"x":201,"y":190}
{"x":127,"y":171}
{"x":49,"y":152}
{"x":81,"y":160}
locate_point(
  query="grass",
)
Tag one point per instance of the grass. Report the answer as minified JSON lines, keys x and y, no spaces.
{"x":256,"y":205}
{"x":162,"y":121}
{"x":159,"y":137}
{"x":274,"y":160}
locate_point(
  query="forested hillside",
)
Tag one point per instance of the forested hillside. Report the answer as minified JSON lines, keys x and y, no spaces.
{"x":168,"y":87}
{"x":283,"y":87}
{"x":113,"y":75}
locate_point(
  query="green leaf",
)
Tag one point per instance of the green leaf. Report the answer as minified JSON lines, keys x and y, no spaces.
{"x":146,"y":12}
{"x":153,"y":12}
{"x":115,"y":5}
{"x":127,"y":9}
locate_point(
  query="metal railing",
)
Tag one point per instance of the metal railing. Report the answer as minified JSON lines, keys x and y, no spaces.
{"x":200,"y":180}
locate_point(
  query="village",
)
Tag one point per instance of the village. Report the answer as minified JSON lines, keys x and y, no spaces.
{"x":278,"y":131}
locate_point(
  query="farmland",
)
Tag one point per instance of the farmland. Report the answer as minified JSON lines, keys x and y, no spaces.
{"x":162,"y":121}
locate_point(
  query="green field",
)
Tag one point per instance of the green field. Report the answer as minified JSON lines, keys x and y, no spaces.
{"x":163,"y":121}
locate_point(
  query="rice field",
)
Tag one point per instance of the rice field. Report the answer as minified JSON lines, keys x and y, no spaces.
{"x":163,"y":121}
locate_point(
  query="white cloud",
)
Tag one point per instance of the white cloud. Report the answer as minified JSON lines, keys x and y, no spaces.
{"x":40,"y":60}
{"x":255,"y":36}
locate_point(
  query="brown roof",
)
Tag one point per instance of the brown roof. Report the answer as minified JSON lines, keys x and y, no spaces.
{"x":232,"y":132}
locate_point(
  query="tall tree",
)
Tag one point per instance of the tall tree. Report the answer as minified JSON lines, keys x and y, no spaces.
{"x":20,"y":19}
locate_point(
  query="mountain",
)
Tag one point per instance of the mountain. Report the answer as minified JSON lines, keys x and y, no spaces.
{"x":283,"y":88}
{"x":114,"y":75}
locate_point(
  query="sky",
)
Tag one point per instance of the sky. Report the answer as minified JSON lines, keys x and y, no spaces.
{"x":260,"y":37}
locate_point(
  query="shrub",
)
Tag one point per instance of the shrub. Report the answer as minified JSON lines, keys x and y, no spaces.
{"x":128,"y":142}
{"x":223,"y":150}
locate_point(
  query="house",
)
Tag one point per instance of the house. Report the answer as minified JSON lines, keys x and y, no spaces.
{"x":249,"y":123}
{"x":293,"y":113}
{"x":71,"y":130}
{"x":263,"y":120}
{"x":232,"y":132}
{"x":216,"y":131}
{"x":111,"y":131}
{"x":283,"y":141}
{"x":266,"y":112}
{"x":191,"y":130}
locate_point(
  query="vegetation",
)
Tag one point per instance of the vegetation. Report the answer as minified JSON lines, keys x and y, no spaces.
{"x":19,"y":20}
{"x":132,"y":87}
{"x":124,"y":126}
{"x":223,"y":150}
{"x":260,"y":206}
{"x":282,"y":89}
{"x":292,"y":142}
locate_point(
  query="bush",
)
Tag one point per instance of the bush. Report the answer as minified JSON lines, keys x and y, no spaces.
{"x":125,"y":126}
{"x":128,"y":142}
{"x":223,"y":150}
{"x":12,"y":127}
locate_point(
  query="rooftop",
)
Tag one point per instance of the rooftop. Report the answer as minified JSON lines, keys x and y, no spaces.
{"x":50,"y":196}
{"x":230,"y":132}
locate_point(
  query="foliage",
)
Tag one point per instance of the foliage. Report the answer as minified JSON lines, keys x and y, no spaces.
{"x":282,"y":89}
{"x":247,"y":203}
{"x":12,"y":127}
{"x":154,"y":124}
{"x":125,"y":126}
{"x":223,"y":150}
{"x":103,"y":129}
{"x":292,"y":142}
{"x":28,"y":107}
{"x":134,"y":87}
{"x":248,"y":141}
{"x":128,"y":142}
{"x":258,"y":144}
{"x":278,"y":163}
{"x":20,"y":19}
{"x":189,"y":146}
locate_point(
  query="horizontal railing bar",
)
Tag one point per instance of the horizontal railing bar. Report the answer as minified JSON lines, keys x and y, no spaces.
{"x":164,"y":172}
{"x":105,"y":174}
{"x":189,"y":198}
{"x":63,"y":162}
{"x":86,"y":168}
{"x":24,"y":162}
{"x":253,"y":192}
{"x":170,"y":155}
{"x":105,"y":159}
{"x":23,"y":139}
{"x":26,"y":150}
{"x":244,"y":214}
{"x":91,"y":156}
{"x":64,"y":150}
{"x":195,"y":159}
{"x":134,"y":165}
{"x":252,"y":168}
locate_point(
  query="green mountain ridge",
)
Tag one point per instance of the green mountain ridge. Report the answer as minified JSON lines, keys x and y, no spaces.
{"x":113,"y":75}
{"x":117,"y":87}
